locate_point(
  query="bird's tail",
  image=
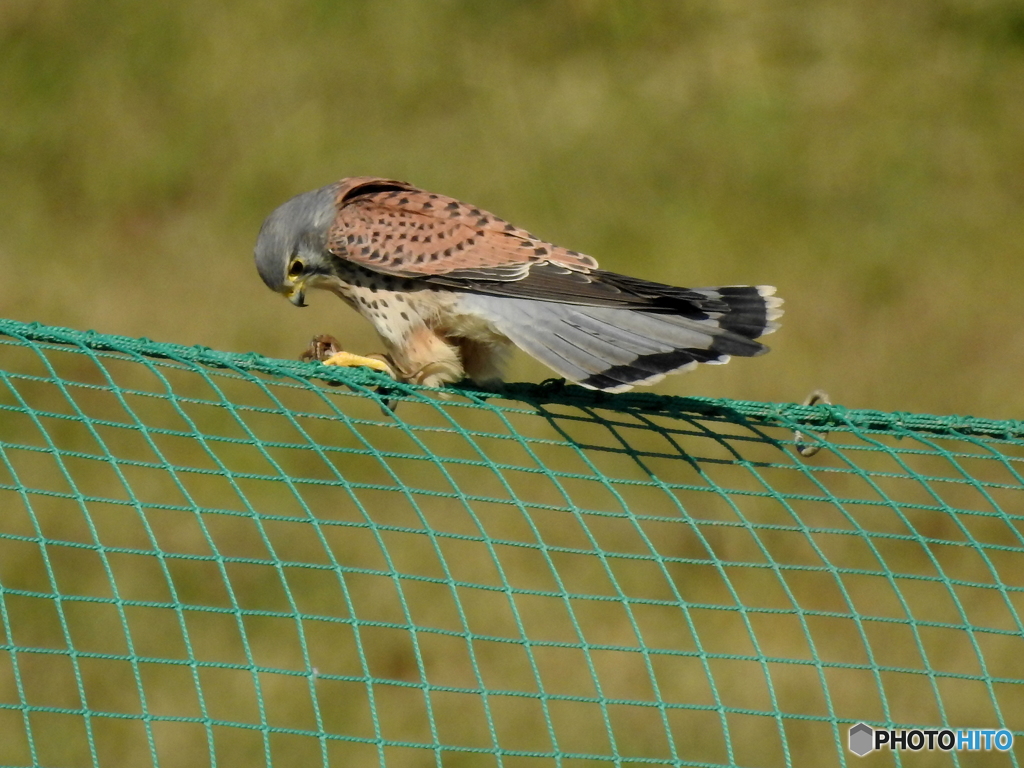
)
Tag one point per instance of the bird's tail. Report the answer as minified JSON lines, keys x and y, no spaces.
{"x":615,"y":349}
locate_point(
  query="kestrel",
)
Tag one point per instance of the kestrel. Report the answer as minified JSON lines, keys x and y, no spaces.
{"x":451,"y":289}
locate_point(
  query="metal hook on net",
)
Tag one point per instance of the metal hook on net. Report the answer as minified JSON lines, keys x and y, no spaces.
{"x":803,"y":447}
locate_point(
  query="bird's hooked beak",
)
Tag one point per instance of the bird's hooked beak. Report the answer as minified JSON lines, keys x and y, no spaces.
{"x":297,"y":294}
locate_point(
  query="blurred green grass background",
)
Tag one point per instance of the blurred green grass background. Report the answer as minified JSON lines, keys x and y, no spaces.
{"x":867,"y":157}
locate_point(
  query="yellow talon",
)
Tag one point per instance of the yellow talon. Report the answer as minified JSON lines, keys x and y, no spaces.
{"x":348,"y":360}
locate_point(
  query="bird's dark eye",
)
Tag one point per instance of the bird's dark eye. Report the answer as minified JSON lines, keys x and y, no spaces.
{"x":296,"y":268}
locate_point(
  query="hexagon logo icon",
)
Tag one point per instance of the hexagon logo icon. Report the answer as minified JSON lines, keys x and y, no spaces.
{"x":862,"y":739}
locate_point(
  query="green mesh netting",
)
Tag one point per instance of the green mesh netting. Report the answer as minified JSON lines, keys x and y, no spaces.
{"x":216,"y":559}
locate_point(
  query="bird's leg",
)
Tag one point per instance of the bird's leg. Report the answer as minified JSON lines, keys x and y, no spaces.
{"x":377,"y":362}
{"x":433,"y":375}
{"x":327,"y":350}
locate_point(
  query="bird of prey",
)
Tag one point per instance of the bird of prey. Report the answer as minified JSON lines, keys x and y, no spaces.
{"x":451,"y":289}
